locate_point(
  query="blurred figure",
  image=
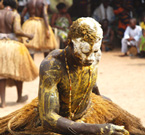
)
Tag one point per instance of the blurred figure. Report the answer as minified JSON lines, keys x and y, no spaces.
{"x":1,"y":4}
{"x":123,"y":17}
{"x":138,"y":9}
{"x":142,"y":24}
{"x":108,"y":36}
{"x":48,"y":6}
{"x":44,"y":39}
{"x":104,"y":11}
{"x":142,"y":44}
{"x":131,"y":36}
{"x":62,"y":22}
{"x":21,"y":5}
{"x":16,"y":63}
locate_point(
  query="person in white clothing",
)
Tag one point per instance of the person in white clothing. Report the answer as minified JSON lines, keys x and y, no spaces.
{"x":104,"y":11}
{"x":131,"y":36}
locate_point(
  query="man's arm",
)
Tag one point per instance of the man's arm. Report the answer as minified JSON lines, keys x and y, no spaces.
{"x":17,"y":27}
{"x":23,"y":13}
{"x":50,"y":75}
{"x":126,"y":33}
{"x":45,"y":16}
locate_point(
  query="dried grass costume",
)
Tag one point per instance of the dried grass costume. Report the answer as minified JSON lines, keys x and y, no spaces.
{"x":36,"y":26}
{"x":27,"y":120}
{"x":15,"y":60}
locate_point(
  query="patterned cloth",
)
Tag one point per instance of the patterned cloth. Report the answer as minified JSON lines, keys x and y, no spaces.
{"x":142,"y":44}
{"x":123,"y":17}
{"x":63,"y":22}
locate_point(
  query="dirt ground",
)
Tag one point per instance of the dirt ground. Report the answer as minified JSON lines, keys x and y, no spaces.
{"x":121,"y":79}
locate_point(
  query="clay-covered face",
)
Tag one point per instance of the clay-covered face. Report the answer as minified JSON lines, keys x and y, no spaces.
{"x":85,"y":53}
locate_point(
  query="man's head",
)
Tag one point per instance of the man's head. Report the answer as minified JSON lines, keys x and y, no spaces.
{"x":61,"y":7}
{"x":11,"y":3}
{"x":105,"y":3}
{"x":132,"y":23}
{"x":86,"y":36}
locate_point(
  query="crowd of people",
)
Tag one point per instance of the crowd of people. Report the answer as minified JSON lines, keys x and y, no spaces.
{"x":32,"y":24}
{"x":114,"y":14}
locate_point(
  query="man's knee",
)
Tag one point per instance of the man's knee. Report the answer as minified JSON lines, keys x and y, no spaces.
{"x":124,"y":41}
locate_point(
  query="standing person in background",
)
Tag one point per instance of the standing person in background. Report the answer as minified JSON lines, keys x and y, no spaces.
{"x":104,"y":11}
{"x":131,"y":36}
{"x":15,"y":61}
{"x":62,"y":22}
{"x":123,"y":17}
{"x":44,"y":39}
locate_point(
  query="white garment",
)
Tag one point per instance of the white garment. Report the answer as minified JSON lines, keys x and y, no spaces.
{"x":101,"y":13}
{"x":129,"y":32}
{"x":22,"y":2}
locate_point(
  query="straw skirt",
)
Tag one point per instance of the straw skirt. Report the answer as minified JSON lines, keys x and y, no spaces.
{"x":40,"y":42}
{"x":27,"y":120}
{"x":16,"y":62}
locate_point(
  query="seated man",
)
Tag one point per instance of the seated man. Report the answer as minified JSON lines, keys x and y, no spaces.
{"x":65,"y":103}
{"x":131,"y":36}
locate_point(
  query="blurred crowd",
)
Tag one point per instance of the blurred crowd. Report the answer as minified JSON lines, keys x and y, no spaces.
{"x":113,"y":15}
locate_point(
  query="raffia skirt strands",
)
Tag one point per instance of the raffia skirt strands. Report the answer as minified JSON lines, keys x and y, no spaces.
{"x":27,"y":121}
{"x":36,"y":26}
{"x":16,"y":62}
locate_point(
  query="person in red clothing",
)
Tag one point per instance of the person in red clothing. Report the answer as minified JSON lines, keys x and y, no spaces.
{"x":122,"y":10}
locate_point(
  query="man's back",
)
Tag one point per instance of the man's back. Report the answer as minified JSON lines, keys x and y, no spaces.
{"x":35,"y":8}
{"x":6,"y":21}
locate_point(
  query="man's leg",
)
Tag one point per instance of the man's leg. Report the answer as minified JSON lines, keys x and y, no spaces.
{"x":2,"y":91}
{"x":124,"y":46}
{"x":138,"y":50}
{"x":19,"y":85}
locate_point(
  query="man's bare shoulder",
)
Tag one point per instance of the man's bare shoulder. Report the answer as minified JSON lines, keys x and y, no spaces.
{"x":53,"y":61}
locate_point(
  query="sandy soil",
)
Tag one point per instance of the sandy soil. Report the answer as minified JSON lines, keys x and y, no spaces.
{"x":121,"y":79}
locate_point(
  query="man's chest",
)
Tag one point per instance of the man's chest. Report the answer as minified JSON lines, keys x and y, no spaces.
{"x":78,"y":83}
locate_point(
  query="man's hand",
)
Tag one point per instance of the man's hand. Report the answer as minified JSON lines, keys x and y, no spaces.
{"x":48,"y":34}
{"x":31,"y":37}
{"x":130,"y":39}
{"x":111,"y":129}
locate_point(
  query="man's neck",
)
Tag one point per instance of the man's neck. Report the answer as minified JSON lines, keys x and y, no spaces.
{"x":71,"y":59}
